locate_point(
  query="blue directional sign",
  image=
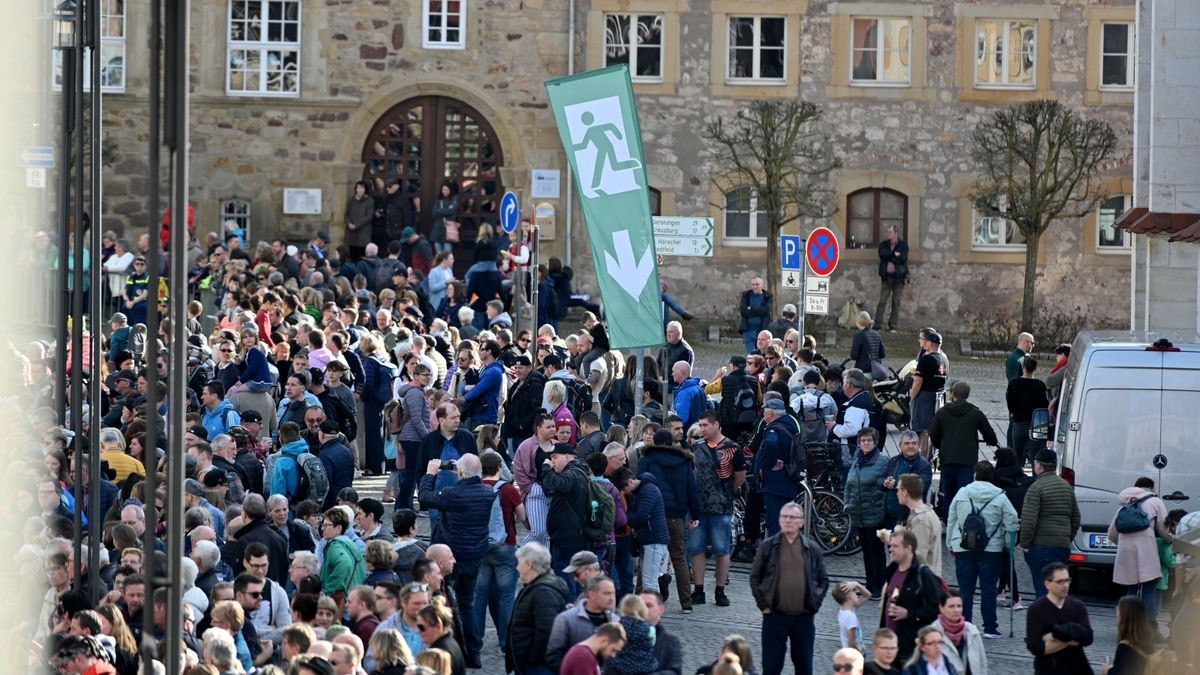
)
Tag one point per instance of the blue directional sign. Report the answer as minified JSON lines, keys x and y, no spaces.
{"x":510,"y":212}
{"x":791,"y":252}
{"x":36,"y":157}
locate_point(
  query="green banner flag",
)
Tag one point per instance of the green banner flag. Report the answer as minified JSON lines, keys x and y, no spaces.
{"x":598,"y":123}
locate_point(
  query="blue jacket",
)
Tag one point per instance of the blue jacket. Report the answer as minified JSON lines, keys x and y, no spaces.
{"x":117,"y":341}
{"x":339,"y":469}
{"x":646,"y":514}
{"x":676,"y":477}
{"x":482,"y":403}
{"x":776,"y":447}
{"x":257,"y":368}
{"x":285,"y":478}
{"x":218,"y":421}
{"x":898,"y":466}
{"x":465,"y":512}
{"x":690,"y":401}
{"x":864,"y":489}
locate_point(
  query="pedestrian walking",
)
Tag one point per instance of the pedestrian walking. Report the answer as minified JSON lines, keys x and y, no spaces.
{"x":1057,"y":627}
{"x":1049,"y":519}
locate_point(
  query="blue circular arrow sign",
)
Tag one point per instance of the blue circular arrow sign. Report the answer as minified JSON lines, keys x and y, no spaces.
{"x":510,"y":211}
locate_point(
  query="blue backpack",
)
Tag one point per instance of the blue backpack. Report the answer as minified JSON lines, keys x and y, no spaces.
{"x":497,"y":533}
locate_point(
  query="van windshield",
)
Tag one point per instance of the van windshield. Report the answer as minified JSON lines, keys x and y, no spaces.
{"x":1124,"y":429}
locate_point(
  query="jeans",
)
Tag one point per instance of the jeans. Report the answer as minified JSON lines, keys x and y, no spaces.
{"x":466,"y":574}
{"x":895,"y":289}
{"x":715,"y":532}
{"x":983,"y":567}
{"x":1018,"y":440}
{"x":439,"y":246}
{"x":624,"y":566}
{"x":1148,"y":592}
{"x":560,"y":558}
{"x":750,"y":340}
{"x":412,"y":450}
{"x":1037,"y":557}
{"x":777,"y":629}
{"x":495,"y":590}
{"x":874,"y":559}
{"x":953,"y":478}
{"x":677,"y":528}
{"x":772,"y":505}
{"x":654,"y":565}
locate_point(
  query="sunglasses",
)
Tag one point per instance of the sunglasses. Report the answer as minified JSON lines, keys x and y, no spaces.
{"x":421,"y":627}
{"x":257,"y":594}
{"x":226,"y":351}
{"x":418,"y":588}
{"x":843,"y":667}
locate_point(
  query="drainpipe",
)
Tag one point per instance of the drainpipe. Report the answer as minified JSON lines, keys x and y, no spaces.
{"x":570,"y":71}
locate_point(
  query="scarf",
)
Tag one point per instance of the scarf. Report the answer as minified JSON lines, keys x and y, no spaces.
{"x":954,"y":630}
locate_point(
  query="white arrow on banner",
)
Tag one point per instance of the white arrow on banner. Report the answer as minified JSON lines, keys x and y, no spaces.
{"x":630,"y":274}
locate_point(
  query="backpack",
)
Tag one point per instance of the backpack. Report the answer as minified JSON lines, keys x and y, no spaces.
{"x":395,"y":417}
{"x":745,"y":403}
{"x":599,"y":520}
{"x":811,"y":413}
{"x":579,"y":396}
{"x":383,"y":273}
{"x":497,"y":534}
{"x":385,"y":374}
{"x":797,"y":465}
{"x":1131,"y":518}
{"x":1158,"y":662}
{"x":314,"y":483}
{"x":975,"y":536}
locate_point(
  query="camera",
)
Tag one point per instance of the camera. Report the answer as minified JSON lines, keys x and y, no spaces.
{"x":449,"y":465}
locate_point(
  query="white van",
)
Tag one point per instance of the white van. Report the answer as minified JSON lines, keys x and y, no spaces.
{"x":1129,"y":407}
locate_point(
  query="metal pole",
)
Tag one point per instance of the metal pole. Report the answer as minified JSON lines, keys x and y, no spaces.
{"x":77,"y":296}
{"x":95,"y":527}
{"x":570,"y":197}
{"x":665,"y":372}
{"x":800,"y":312}
{"x":64,"y":230}
{"x":535,"y":258}
{"x":177,"y":142}
{"x":639,"y":372}
{"x":149,"y":648}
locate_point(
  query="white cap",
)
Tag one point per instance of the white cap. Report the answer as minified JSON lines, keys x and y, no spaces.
{"x":789,"y":308}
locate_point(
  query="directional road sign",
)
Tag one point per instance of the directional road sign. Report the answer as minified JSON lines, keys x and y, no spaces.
{"x":39,"y":157}
{"x":683,"y":236}
{"x":791,"y":278}
{"x":817,"y":285}
{"x":510,"y":211}
{"x":822,"y":251}
{"x":816,"y":304}
{"x":791,"y":253}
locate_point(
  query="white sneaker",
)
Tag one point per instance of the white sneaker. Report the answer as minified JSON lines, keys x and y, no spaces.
{"x":992,"y":636}
{"x":1018,"y":606}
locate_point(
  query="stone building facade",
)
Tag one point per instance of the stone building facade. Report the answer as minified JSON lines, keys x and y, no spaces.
{"x":291,"y":94}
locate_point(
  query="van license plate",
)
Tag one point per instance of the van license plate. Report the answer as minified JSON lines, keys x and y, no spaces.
{"x":1099,"y":541}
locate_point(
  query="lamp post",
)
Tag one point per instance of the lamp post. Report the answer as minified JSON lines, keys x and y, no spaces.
{"x":66,"y":40}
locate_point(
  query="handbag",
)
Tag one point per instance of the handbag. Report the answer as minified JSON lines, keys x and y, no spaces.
{"x":452,"y":231}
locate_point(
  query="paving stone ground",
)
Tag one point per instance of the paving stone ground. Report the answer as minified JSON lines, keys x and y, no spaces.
{"x":702,"y":632}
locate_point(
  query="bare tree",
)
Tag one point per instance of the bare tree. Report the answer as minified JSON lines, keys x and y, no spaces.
{"x":1039,"y":163}
{"x":781,"y":153}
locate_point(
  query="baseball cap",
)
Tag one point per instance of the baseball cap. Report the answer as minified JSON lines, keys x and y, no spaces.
{"x":119,"y":317}
{"x":1047,"y":456}
{"x":522,"y":360}
{"x":406,"y":233}
{"x":737,"y":361}
{"x":581,"y":559}
{"x":934,"y":337}
{"x":775,"y":404}
{"x":545,"y":340}
{"x":193,"y":487}
{"x":562,"y":449}
{"x":199,"y":431}
{"x":124,"y":375}
{"x":789,"y":308}
{"x":215,"y":478}
{"x":252,"y":416}
{"x":330,"y":427}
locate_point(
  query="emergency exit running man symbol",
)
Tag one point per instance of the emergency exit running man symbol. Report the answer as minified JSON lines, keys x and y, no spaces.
{"x":601,"y":146}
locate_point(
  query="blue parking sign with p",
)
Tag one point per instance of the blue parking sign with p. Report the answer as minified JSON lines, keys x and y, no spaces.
{"x":791,"y":252}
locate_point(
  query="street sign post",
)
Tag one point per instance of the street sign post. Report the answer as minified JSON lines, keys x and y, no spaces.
{"x":510,"y":212}
{"x":791,"y":279}
{"x":816,"y":304}
{"x":817,"y":285}
{"x":819,"y":253}
{"x":822,"y":251}
{"x":598,"y":123}
{"x":683,"y":236}
{"x":683,"y":246}
{"x":791,"y":251}
{"x":36,"y":157}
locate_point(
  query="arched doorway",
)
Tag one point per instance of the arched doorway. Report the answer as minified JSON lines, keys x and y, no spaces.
{"x":428,"y":139}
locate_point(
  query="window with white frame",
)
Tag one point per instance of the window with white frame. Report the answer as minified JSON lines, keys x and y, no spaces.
{"x":995,"y":232}
{"x":1109,"y":239}
{"x":881,"y":51}
{"x":757,"y":49}
{"x":235,"y":218}
{"x":636,"y":40}
{"x":1117,"y":56}
{"x":263,"y":48}
{"x":1005,"y":53}
{"x":443,"y":23}
{"x":744,"y":222}
{"x":112,"y":52}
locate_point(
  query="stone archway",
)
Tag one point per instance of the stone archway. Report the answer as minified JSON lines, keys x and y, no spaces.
{"x":428,"y":139}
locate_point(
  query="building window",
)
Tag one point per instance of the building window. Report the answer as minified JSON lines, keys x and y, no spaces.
{"x":1109,"y":239}
{"x":744,"y":222}
{"x":995,"y":232}
{"x":636,"y":40}
{"x":112,"y":52}
{"x":235,"y":218}
{"x":1005,"y":53}
{"x":655,"y":202}
{"x":264,"y":48}
{"x":1117,"y":56}
{"x":442,"y":24}
{"x":880,"y":52}
{"x":757,"y":49}
{"x":871,"y":212}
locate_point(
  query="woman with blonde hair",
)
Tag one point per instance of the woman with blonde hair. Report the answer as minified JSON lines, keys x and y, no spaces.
{"x":436,"y":623}
{"x":867,"y":348}
{"x":391,"y":652}
{"x":437,"y":660}
{"x":555,"y":395}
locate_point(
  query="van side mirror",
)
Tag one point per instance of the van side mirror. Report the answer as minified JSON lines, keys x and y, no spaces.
{"x":1039,"y":425}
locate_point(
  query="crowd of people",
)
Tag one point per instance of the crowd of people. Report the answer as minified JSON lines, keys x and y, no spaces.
{"x":559,"y":505}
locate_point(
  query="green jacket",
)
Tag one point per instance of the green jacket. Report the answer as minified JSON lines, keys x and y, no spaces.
{"x":1051,"y":514}
{"x":343,"y":568}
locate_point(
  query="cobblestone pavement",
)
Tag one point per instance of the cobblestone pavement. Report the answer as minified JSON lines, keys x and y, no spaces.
{"x":703,"y":631}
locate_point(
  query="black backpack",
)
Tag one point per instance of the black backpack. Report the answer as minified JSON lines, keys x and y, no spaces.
{"x":745,"y":403}
{"x":975,"y":536}
{"x":579,"y":396}
{"x":797,"y":465}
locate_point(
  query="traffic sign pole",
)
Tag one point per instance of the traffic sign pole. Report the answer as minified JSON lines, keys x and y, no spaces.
{"x":800,"y":309}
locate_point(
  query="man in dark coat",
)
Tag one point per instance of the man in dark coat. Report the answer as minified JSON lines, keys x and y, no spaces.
{"x":524,"y":398}
{"x":672,"y":468}
{"x":338,"y":460}
{"x":257,"y":528}
{"x":910,"y":598}
{"x":566,"y":486}
{"x":543,"y":595}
